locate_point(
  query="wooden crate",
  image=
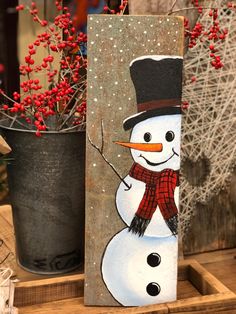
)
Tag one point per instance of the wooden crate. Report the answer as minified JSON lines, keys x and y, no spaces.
{"x":198,"y":292}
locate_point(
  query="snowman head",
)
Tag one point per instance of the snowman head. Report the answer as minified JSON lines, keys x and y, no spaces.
{"x":157,"y":142}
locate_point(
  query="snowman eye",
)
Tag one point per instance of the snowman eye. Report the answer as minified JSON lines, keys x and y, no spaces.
{"x":170,"y":135}
{"x":147,"y":137}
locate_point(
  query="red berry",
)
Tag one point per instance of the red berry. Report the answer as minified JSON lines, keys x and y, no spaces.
{"x":20,"y":7}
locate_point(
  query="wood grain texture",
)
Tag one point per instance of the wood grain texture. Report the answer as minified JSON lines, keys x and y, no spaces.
{"x":48,"y":290}
{"x":7,"y":241}
{"x":213,"y":225}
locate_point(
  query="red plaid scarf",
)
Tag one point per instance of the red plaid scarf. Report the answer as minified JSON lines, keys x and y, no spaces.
{"x":160,"y":187}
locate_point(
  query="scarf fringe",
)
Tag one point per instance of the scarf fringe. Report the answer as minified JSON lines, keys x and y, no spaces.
{"x":139,"y":225}
{"x":172,"y":223}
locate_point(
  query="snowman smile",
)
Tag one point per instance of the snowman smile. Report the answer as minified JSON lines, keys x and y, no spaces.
{"x":159,"y":163}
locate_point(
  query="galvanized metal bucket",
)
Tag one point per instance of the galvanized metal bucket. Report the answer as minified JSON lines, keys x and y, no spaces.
{"x":46,"y":183}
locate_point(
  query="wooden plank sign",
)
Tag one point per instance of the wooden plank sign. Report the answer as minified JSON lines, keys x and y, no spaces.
{"x":133,"y":159}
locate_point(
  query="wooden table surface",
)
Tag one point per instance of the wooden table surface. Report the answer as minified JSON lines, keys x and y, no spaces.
{"x":222,"y":264}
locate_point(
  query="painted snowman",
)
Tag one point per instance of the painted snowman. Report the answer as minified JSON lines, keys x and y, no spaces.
{"x":139,"y":265}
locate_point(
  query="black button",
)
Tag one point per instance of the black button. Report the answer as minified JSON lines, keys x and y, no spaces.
{"x":154,"y":259}
{"x":153,"y":289}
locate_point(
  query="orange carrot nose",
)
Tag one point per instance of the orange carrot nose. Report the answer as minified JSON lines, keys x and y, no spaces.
{"x":146,"y":147}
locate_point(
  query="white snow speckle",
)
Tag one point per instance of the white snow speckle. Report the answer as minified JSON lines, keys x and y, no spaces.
{"x":118,"y":155}
{"x":92,"y":112}
{"x":111,"y":38}
{"x":103,"y":190}
{"x":91,"y":207}
{"x":129,"y":98}
{"x":121,"y":50}
{"x":101,"y":87}
{"x":91,"y":86}
{"x":92,"y":42}
{"x":91,"y":18}
{"x":116,"y":83}
{"x":110,"y":26}
{"x":151,"y":25}
{"x":95,"y":99}
{"x":94,"y":165}
{"x":95,"y":59}
{"x":145,"y":32}
{"x":168,"y":20}
{"x":120,"y":108}
{"x":108,"y":105}
{"x":158,"y":44}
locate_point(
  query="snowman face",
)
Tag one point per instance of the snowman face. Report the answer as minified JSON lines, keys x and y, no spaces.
{"x":164,"y":130}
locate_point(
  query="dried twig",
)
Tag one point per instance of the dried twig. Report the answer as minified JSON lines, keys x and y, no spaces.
{"x":101,"y":152}
{"x":172,"y":7}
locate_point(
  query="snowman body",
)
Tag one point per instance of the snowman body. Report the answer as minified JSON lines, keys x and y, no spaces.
{"x":142,"y":270}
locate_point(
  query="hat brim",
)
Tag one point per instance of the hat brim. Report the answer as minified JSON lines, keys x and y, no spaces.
{"x":130,"y":122}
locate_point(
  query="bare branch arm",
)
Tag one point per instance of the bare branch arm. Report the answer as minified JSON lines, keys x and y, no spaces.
{"x":100,"y":150}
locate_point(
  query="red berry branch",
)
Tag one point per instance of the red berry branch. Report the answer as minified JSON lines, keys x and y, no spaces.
{"x":65,"y":94}
{"x":212,"y":36}
{"x":119,"y":9}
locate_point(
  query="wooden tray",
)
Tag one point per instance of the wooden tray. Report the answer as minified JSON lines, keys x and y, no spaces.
{"x":198,"y":292}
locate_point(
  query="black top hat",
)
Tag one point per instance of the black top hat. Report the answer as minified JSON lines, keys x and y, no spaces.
{"x":158,"y":85}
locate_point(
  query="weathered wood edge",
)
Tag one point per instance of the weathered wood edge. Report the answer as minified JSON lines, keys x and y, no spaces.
{"x":71,"y":286}
{"x":48,"y":290}
{"x":204,"y":281}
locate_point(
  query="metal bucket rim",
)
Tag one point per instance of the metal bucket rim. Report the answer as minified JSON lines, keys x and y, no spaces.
{"x":43,"y":132}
